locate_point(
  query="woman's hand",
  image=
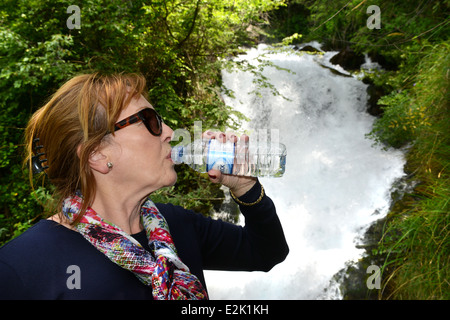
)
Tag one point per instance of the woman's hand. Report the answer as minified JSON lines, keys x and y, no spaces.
{"x":239,"y":185}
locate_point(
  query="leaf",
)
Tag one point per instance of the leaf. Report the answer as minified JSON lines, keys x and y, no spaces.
{"x":393,"y":34}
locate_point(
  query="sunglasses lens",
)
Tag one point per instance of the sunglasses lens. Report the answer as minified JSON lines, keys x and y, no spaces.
{"x":152,"y":121}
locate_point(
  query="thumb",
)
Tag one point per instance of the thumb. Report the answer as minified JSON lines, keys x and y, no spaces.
{"x":215,"y":176}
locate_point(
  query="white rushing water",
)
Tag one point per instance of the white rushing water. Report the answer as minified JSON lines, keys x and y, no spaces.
{"x":336,"y":183}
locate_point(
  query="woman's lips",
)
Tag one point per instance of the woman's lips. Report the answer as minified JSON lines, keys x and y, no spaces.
{"x":169,"y":156}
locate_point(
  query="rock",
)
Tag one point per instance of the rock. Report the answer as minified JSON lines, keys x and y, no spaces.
{"x":375,"y":93}
{"x":348,"y":59}
{"x":387,"y":63}
{"x":353,"y":278}
{"x":308,"y":48}
{"x":336,"y":72}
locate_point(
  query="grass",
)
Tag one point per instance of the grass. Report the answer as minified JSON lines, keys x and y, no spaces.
{"x":416,"y":241}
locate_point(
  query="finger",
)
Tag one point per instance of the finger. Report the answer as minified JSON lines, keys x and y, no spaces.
{"x":208,"y":134}
{"x":215,"y":176}
{"x":231,"y":137}
{"x":222,"y":137}
{"x":244,"y":138}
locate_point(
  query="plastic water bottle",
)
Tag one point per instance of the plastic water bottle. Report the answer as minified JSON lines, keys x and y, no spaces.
{"x":241,"y":158}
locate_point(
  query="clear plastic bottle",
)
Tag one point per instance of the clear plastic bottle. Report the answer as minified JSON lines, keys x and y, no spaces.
{"x":241,"y":158}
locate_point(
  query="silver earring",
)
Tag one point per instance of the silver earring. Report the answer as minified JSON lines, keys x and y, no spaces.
{"x":109,"y":165}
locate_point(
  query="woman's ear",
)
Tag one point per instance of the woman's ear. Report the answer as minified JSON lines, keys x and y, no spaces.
{"x":97,"y":160}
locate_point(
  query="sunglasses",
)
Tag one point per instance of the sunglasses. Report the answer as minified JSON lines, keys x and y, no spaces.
{"x":151,"y":119}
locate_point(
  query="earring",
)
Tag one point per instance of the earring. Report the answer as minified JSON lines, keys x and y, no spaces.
{"x":109,"y":165}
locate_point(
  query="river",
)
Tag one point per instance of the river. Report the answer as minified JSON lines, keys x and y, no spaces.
{"x":336,"y":182}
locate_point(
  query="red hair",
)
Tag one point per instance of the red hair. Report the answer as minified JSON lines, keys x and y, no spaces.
{"x":73,"y":124}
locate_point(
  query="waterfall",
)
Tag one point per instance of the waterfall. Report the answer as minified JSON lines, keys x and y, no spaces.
{"x":336,"y":182}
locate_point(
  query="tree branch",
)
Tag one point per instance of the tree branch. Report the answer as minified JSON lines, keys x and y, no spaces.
{"x":191,"y":29}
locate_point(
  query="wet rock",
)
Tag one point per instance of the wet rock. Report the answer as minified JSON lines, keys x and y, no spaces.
{"x":336,"y":72}
{"x":348,"y":59}
{"x":375,"y":93}
{"x":387,"y":63}
{"x":308,"y":48}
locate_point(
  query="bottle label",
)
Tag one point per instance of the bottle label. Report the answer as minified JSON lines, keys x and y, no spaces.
{"x":220,"y":156}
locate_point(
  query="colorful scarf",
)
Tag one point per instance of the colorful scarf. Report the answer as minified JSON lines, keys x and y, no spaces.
{"x":161,"y":268}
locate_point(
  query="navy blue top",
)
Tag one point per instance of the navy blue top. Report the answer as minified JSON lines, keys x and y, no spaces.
{"x":37,"y":264}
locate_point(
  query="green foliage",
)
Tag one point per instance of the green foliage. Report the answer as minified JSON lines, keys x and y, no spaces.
{"x":179,"y":46}
{"x":345,"y":22}
{"x":401,"y":120}
{"x":416,"y":242}
{"x":412,"y":112}
{"x":405,"y":26}
{"x":417,"y":245}
{"x":287,"y":20}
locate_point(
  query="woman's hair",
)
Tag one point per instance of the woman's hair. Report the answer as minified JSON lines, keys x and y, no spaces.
{"x":73,"y":123}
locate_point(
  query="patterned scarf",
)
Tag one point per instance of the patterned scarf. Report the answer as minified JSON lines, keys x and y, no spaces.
{"x":161,"y":268}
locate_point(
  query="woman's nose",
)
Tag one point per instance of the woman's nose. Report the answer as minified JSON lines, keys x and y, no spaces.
{"x":167,"y":133}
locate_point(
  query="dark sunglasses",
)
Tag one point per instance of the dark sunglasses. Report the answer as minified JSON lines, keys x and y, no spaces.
{"x":151,"y":119}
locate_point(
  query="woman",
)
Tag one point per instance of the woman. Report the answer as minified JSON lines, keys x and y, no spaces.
{"x":106,"y":150}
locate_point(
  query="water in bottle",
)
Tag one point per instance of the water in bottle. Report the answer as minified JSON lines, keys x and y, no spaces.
{"x":241,"y":158}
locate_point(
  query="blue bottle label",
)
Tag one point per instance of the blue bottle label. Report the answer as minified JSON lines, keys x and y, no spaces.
{"x":220,"y":156}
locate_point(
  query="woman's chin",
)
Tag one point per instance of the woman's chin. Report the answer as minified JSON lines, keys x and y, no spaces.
{"x":173,"y":179}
